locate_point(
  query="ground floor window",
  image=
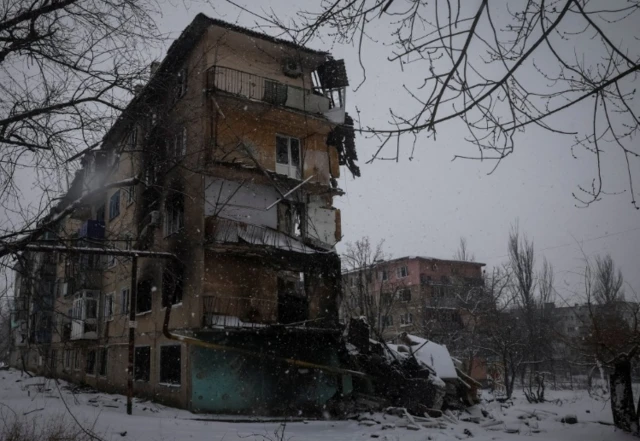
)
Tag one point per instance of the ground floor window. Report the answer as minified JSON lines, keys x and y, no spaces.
{"x":170,"y":364}
{"x":90,"y":363}
{"x":53,"y":360}
{"x":103,"y":362}
{"x":67,"y":358}
{"x":142,"y":363}
{"x":76,"y":359}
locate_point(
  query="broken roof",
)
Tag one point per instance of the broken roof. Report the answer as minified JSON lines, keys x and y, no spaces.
{"x":180,"y":48}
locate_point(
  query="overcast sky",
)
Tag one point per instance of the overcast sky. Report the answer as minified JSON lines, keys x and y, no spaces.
{"x":423,"y":206}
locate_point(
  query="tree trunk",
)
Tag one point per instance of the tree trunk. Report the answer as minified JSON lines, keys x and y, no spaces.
{"x":622,"y":405}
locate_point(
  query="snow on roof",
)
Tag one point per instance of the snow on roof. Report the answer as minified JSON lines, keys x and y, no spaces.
{"x":434,"y":355}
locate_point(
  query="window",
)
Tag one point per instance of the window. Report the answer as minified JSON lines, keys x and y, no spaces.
{"x":114,"y":205}
{"x":124,"y":301}
{"x":288,"y":156}
{"x":180,"y":144}
{"x":131,"y":195}
{"x":67,"y":359}
{"x":384,"y":276}
{"x":181,"y":84}
{"x":402,"y":272}
{"x":108,"y":307}
{"x":90,"y":363}
{"x":172,"y":284}
{"x":387,"y":298}
{"x":406,"y":319}
{"x":170,"y":365}
{"x":53,"y":361}
{"x":405,"y":295}
{"x":76,"y":359}
{"x":132,"y":139}
{"x":113,"y":160}
{"x":174,"y":215}
{"x":103,"y":362}
{"x":142,"y":363}
{"x":143,"y":297}
{"x":100,"y":213}
{"x":387,"y":320}
{"x":275,"y":93}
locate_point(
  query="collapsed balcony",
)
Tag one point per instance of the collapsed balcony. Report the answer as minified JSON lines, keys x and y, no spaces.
{"x":329,"y":102}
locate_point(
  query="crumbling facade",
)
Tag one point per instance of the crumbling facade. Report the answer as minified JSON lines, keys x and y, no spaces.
{"x":227,"y":162}
{"x":428,"y":297}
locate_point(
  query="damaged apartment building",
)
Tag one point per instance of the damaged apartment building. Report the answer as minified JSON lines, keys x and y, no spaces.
{"x":221,"y":172}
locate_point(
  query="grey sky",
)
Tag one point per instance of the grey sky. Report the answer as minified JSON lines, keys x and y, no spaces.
{"x":423,"y":206}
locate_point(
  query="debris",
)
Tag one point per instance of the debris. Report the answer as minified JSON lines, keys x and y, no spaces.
{"x":368,"y":423}
{"x":413,"y":427}
{"x":510,"y":428}
{"x":569,"y":419}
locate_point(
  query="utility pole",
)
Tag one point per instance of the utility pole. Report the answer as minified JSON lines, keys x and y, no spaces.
{"x":132,"y":332}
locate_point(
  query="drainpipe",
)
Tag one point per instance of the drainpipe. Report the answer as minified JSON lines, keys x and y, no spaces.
{"x":205,"y":344}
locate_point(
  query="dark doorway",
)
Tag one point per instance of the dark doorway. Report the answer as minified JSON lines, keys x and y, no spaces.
{"x":293,"y":305}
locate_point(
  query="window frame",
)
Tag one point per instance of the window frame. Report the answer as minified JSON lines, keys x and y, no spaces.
{"x":181,"y":82}
{"x":298,"y":167}
{"x":108,"y":300}
{"x":125,"y":300}
{"x":136,"y":369}
{"x":103,"y":358}
{"x":384,"y":275}
{"x":162,"y":379}
{"x":114,"y":205}
{"x":91,"y":354}
{"x":173,"y":216}
{"x":400,"y":270}
{"x":131,"y":194}
{"x":402,"y":295}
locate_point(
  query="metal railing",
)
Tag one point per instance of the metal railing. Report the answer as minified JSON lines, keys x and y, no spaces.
{"x":238,"y":312}
{"x":264,"y":89}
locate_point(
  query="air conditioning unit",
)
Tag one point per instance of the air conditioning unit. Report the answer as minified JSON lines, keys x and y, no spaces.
{"x":291,"y":68}
{"x":84,"y":323}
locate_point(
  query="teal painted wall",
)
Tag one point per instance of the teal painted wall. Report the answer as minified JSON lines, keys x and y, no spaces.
{"x":226,"y":382}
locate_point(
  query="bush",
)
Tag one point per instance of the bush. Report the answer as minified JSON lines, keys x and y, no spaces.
{"x":58,"y":428}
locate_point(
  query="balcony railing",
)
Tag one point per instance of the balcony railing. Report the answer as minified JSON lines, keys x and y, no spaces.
{"x":238,"y":312}
{"x":273,"y":92}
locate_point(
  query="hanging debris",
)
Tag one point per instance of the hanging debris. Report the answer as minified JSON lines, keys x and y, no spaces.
{"x":343,"y":138}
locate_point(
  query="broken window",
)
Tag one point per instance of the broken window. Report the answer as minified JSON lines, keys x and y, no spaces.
{"x":170,"y":364}
{"x":291,"y":218}
{"x":174,"y":214}
{"x":103,"y":362}
{"x":124,"y":301}
{"x":172,"y":283}
{"x":181,"y":83}
{"x":90,"y":363}
{"x":143,"y":297}
{"x":288,"y":156}
{"x":114,"y":205}
{"x":142,"y":363}
{"x":293,"y":305}
{"x":405,"y":295}
{"x":108,"y":307}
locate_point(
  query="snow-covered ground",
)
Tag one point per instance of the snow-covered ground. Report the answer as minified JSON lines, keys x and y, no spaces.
{"x":41,"y":399}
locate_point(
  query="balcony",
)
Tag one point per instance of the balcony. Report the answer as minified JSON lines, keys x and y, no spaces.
{"x":238,"y":312}
{"x":255,"y":87}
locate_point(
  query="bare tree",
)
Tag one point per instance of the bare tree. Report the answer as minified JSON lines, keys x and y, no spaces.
{"x":463,"y":252}
{"x":366,"y":293}
{"x":67,"y":68}
{"x":502,"y":69}
{"x":613,"y":336}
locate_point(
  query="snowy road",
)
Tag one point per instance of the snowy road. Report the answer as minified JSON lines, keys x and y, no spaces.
{"x":42,"y":399}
